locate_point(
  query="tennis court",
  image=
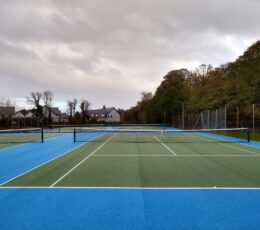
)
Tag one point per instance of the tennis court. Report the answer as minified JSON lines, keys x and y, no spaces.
{"x":111,"y":169}
{"x":134,"y":158}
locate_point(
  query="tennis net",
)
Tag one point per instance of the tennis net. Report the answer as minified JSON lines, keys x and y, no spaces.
{"x":70,"y":128}
{"x":238,"y":135}
{"x":21,"y":135}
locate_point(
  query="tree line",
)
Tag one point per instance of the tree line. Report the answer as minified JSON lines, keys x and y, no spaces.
{"x":46,"y":97}
{"x":206,"y":88}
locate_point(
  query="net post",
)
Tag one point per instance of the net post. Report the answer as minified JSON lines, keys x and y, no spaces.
{"x":42,"y":137}
{"x":74,"y":135}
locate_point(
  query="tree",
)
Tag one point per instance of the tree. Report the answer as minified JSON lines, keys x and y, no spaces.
{"x":47,"y":99}
{"x":169,"y":96}
{"x":74,"y":106}
{"x":146,"y":96}
{"x":84,"y":107}
{"x":70,"y":109}
{"x":6,"y":102}
{"x":35,"y":100}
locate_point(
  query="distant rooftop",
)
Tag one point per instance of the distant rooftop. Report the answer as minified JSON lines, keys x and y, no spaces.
{"x":7,"y":110}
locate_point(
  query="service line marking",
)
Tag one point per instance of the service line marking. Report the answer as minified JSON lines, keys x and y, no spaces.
{"x":161,"y":155}
{"x":165,"y":146}
{"x":77,"y":165}
{"x":240,"y":149}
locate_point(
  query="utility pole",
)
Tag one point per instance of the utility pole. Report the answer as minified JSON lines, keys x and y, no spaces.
{"x":164,"y":118}
{"x":183,"y":117}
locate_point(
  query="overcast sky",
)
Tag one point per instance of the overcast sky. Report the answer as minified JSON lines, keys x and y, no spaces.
{"x":110,"y":51}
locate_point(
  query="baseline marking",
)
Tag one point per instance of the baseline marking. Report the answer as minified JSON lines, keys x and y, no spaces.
{"x":136,"y":188}
{"x":240,"y":149}
{"x":165,"y":146}
{"x":87,"y":157}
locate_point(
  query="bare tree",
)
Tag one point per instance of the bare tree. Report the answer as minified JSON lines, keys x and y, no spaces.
{"x":70,"y":108}
{"x":35,"y":100}
{"x":84,"y":106}
{"x":6,"y":102}
{"x":74,"y":103}
{"x":203,"y":70}
{"x":47,"y":100}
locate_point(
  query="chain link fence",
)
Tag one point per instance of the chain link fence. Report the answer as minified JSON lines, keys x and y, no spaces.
{"x":247,"y":116}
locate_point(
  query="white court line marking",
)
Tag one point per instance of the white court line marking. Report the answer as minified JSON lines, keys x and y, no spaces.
{"x":165,"y":146}
{"x":240,"y":149}
{"x":139,"y":188}
{"x":156,"y":155}
{"x":133,"y":155}
{"x":233,"y":147}
{"x":87,"y":157}
{"x":41,"y":165}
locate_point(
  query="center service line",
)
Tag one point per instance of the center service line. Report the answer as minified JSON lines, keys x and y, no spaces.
{"x":57,"y":181}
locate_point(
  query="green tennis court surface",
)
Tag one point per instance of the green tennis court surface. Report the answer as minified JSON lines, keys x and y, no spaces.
{"x":115,"y":164}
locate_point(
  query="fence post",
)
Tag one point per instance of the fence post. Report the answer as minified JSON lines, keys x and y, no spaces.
{"x":183,"y":118}
{"x":225,"y":118}
{"x":216,"y":122}
{"x":237,"y":116}
{"x":208,"y":120}
{"x":253,"y":119}
{"x":248,"y":135}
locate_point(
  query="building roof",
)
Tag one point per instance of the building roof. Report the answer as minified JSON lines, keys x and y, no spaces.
{"x":23,"y":112}
{"x":56,"y":111}
{"x":100,"y":112}
{"x":64,"y":115}
{"x":7,"y":110}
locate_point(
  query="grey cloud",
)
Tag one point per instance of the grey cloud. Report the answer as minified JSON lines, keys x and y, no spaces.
{"x":109,"y":51}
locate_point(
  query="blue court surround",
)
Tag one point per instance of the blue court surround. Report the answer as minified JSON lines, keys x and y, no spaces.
{"x":21,"y":158}
{"x":127,"y":209}
{"x":254,"y":144}
{"x":84,"y":208}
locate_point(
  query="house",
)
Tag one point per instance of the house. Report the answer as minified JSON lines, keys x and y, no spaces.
{"x":7,"y":111}
{"x":25,"y":113}
{"x":64,"y":118}
{"x":21,"y":114}
{"x":30,"y":113}
{"x":105,"y":114}
{"x":56,"y":114}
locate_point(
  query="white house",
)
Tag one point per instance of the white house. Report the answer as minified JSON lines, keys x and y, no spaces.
{"x":29,"y":114}
{"x":25,"y":114}
{"x":21,"y":113}
{"x":105,"y":114}
{"x":56,"y":114}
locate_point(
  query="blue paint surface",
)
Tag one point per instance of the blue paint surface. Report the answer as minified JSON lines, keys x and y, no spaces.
{"x":129,"y":209}
{"x":254,"y":144}
{"x":21,"y":158}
